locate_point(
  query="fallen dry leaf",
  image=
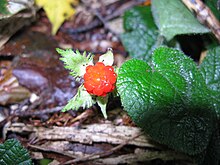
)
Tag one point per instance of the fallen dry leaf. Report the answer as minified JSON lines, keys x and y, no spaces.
{"x":57,"y":11}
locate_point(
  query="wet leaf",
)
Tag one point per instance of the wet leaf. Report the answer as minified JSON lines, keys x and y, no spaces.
{"x":210,"y":68}
{"x":10,"y":90}
{"x":141,"y":32}
{"x":39,"y":69}
{"x":12,"y":152}
{"x":173,"y":18}
{"x":43,"y":73}
{"x":169,"y":100}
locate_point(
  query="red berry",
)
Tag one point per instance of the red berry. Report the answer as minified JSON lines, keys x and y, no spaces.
{"x":99,"y":79}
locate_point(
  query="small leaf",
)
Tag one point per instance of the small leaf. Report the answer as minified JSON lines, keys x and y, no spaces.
{"x":81,"y":99}
{"x":75,"y":62}
{"x":169,"y":100}
{"x":13,"y":153}
{"x":173,"y":18}
{"x":107,"y":58}
{"x":57,"y":11}
{"x":140,"y":38}
{"x":210,"y":68}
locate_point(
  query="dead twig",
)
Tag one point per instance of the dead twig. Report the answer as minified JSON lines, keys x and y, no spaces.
{"x":51,"y":150}
{"x":103,"y":20}
{"x":40,"y":112}
{"x":102,"y":154}
{"x":204,"y":15}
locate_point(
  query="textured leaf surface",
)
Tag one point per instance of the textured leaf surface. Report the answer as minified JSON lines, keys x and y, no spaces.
{"x":13,"y":153}
{"x":75,"y":62}
{"x":210,"y":68}
{"x":212,"y":156}
{"x":57,"y":11}
{"x":173,"y":18}
{"x":168,"y":99}
{"x":141,"y":32}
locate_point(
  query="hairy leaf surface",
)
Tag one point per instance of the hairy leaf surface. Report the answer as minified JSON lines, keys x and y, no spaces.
{"x":12,"y":152}
{"x":140,"y":38}
{"x":168,"y":99}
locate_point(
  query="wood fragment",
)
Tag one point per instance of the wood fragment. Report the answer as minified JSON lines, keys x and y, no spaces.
{"x":87,"y":134}
{"x":103,"y":154}
{"x":23,"y":13}
{"x":41,"y":112}
{"x":143,"y":157}
{"x":61,"y":140}
{"x":51,"y":150}
{"x":99,"y":22}
{"x":204,"y":15}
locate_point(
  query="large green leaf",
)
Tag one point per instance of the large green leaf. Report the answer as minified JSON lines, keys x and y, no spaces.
{"x":3,"y":7}
{"x":212,"y":155}
{"x":169,"y":100}
{"x":141,"y":32}
{"x":213,"y":5}
{"x":210,"y":68}
{"x":13,"y":153}
{"x":173,"y":18}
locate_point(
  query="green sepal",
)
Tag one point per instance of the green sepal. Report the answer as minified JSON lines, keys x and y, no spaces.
{"x":81,"y":99}
{"x":75,"y":61}
{"x":102,"y":102}
{"x":107,"y":58}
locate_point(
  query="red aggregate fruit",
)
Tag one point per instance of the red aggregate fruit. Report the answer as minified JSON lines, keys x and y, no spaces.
{"x":99,"y":79}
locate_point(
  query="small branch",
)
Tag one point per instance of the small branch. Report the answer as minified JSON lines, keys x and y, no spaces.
{"x":40,"y":112}
{"x":51,"y":150}
{"x":143,"y":156}
{"x":204,"y":15}
{"x":103,"y":20}
{"x":88,"y":134}
{"x":102,"y":154}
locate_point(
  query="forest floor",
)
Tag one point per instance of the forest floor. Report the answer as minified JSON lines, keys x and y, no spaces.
{"x":34,"y":87}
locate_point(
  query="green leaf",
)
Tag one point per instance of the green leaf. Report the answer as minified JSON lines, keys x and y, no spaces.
{"x":13,"y":153}
{"x":210,"y":68}
{"x":212,"y":4}
{"x":168,"y":99}
{"x":75,"y":62}
{"x":45,"y":161}
{"x":173,"y":18}
{"x":81,"y":99}
{"x":3,"y":7}
{"x":140,"y":38}
{"x":212,"y":156}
